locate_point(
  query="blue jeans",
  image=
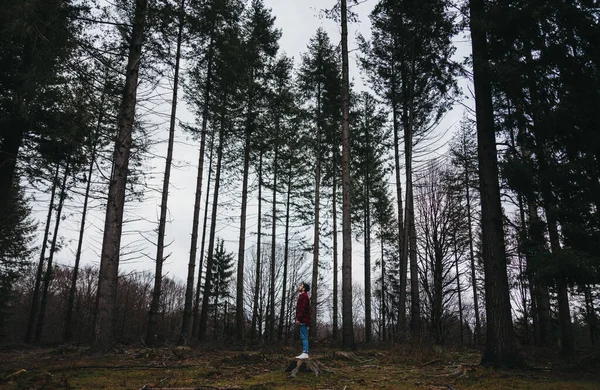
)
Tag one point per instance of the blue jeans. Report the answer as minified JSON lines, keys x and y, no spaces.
{"x":304,"y":337}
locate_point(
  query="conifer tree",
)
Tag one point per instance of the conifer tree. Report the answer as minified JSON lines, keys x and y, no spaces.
{"x":279,"y":126}
{"x":463,"y":152}
{"x":37,"y":38}
{"x":348,"y":334}
{"x":550,"y":56}
{"x":16,"y":249}
{"x":221,"y":273}
{"x":500,"y":347}
{"x":410,"y":67}
{"x":209,"y":28}
{"x":369,"y":147}
{"x":259,"y":50}
{"x":179,"y":21}
{"x":319,"y":84}
{"x":104,"y":328}
{"x":225,"y":101}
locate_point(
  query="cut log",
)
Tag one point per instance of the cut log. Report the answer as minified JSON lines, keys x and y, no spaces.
{"x":430,"y":362}
{"x":347,"y":356}
{"x":305,"y":365}
{"x":465,"y":368}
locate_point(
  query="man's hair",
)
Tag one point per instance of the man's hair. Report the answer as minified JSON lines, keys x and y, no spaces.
{"x":306,"y":286}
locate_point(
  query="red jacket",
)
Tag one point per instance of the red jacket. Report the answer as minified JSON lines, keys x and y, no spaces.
{"x":303,"y":309}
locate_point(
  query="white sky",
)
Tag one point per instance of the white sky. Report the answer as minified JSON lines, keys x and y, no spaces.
{"x":299,"y":21}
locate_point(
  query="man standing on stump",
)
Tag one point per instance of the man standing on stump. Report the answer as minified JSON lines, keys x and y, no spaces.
{"x":303,"y":317}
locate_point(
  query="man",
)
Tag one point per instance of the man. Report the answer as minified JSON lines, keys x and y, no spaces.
{"x":303,"y":317}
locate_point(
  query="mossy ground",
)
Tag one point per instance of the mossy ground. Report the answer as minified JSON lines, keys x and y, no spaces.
{"x":400,"y":367}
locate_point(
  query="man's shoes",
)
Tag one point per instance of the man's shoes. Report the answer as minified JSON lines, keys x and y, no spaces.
{"x":303,"y":355}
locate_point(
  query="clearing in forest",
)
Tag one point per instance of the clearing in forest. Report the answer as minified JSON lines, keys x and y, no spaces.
{"x":400,"y":367}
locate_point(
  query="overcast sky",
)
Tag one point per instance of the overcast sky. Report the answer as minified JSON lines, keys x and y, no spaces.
{"x":298,"y":21}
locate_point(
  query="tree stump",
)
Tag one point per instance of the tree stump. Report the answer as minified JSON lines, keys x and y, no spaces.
{"x":303,"y":365}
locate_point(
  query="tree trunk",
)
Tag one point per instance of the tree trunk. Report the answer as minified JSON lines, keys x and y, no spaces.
{"x":40,"y":269}
{"x":383,"y":306}
{"x":335,"y":257}
{"x":415,"y":300}
{"x":564,"y":314}
{"x":96,"y":303}
{"x":401,"y":236}
{"x":213,"y":225}
{"x":316,"y":231}
{"x":286,"y":255}
{"x":477,"y":330}
{"x":411,"y":251}
{"x":198,"y":199}
{"x":260,"y":315}
{"x":522,"y":231}
{"x":542,"y":298}
{"x":523,"y":282}
{"x":249,"y":124}
{"x":367,"y":237}
{"x":216,"y":317}
{"x":242,"y":240}
{"x":290,"y":302}
{"x":590,"y":314}
{"x":160,"y":243}
{"x":68,"y":330}
{"x":549,"y":204}
{"x":501,"y":345}
{"x":99,"y":287}
{"x":534,"y":311}
{"x":367,"y":269}
{"x":113,"y":224}
{"x":438,"y":286}
{"x":273,"y":248}
{"x":196,"y":312}
{"x":266,"y":335}
{"x":48,"y":276}
{"x":255,"y":308}
{"x":410,"y":233}
{"x":125,"y":305}
{"x":535,"y":233}
{"x":458,"y":289}
{"x":347,"y":325}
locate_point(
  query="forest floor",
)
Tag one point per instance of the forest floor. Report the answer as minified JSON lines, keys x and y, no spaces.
{"x":397,"y":367}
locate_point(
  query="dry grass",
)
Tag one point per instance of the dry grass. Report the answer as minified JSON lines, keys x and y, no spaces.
{"x":402,"y":367}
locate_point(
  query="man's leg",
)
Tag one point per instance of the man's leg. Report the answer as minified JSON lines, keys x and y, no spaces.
{"x":304,"y":337}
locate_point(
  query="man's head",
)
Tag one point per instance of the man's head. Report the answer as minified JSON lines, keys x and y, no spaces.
{"x":303,"y":287}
